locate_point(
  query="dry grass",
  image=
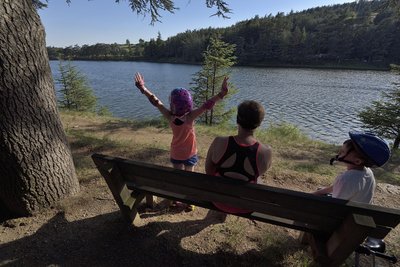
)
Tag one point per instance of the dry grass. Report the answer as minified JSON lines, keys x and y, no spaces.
{"x":298,"y":163}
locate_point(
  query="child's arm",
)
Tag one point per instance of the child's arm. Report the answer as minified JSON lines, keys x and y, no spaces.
{"x":324,"y":191}
{"x":139,"y":82}
{"x":209,"y":104}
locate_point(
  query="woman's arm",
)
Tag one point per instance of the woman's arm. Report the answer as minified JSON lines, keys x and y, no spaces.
{"x":139,"y":82}
{"x":264,"y":158}
{"x":210,"y":166}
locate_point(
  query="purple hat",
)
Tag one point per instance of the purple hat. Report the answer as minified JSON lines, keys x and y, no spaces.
{"x":181,"y":101}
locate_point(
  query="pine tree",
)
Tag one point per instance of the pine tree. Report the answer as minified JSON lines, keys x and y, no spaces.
{"x":218,"y":58}
{"x":76,"y":93}
{"x":383,"y":117}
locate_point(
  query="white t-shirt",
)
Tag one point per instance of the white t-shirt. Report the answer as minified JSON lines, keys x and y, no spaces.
{"x":355,"y":185}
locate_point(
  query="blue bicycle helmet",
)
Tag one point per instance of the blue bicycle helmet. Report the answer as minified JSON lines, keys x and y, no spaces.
{"x":374,"y":148}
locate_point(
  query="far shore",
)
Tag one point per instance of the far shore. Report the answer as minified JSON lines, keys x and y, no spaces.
{"x":325,"y":65}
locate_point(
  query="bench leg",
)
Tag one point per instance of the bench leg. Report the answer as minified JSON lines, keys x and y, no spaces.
{"x":347,"y":237}
{"x":334,"y":250}
{"x":127,"y":200}
{"x":318,"y":248}
{"x":149,"y":201}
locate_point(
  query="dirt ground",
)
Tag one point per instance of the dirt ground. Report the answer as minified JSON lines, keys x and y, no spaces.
{"x":88,"y":230}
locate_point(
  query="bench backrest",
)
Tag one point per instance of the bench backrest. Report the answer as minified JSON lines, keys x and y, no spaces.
{"x":297,"y":210}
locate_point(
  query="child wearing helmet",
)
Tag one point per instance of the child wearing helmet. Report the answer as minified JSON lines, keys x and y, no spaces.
{"x":181,"y":117}
{"x":359,"y":153}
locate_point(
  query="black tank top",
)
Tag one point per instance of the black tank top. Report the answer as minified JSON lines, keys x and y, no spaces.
{"x":242,"y":152}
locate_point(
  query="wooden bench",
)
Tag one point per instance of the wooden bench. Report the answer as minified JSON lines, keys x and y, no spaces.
{"x":336,"y":227}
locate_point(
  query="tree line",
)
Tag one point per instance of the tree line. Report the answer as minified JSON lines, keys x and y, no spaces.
{"x":363,"y":33}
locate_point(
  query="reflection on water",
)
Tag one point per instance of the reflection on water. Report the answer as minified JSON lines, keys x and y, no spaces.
{"x":322,"y":103}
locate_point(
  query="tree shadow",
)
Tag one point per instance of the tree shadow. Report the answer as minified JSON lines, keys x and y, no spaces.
{"x":112,"y":126}
{"x":106,"y":240}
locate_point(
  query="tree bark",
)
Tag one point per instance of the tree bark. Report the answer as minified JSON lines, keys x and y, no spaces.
{"x":36,"y":166}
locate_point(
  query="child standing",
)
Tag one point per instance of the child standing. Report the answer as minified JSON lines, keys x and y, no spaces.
{"x":359,"y":153}
{"x":181,"y":117}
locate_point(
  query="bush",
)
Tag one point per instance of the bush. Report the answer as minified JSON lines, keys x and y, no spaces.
{"x":76,"y":93}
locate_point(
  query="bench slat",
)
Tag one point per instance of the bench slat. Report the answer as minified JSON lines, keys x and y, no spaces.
{"x":304,"y":202}
{"x":326,"y":225}
{"x":253,"y":216}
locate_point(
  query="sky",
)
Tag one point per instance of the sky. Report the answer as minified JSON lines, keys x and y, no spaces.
{"x":104,"y":21}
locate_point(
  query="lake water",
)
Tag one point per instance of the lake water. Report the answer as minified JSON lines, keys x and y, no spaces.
{"x":322,"y":103}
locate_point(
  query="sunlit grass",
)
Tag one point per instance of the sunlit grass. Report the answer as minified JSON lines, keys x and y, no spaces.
{"x":297,"y":160}
{"x":295,"y":156}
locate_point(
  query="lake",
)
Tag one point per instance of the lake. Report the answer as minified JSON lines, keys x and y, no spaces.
{"x":323,"y":103}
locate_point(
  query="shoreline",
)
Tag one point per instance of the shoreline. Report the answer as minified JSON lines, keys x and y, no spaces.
{"x":327,"y":66}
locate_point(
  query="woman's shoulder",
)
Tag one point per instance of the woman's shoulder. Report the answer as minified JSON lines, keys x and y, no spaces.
{"x":264,"y":148}
{"x":221,"y":139}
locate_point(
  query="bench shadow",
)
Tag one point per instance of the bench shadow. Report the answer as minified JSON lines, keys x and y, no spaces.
{"x":106,"y":240}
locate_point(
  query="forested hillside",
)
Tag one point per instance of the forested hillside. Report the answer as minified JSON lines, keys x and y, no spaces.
{"x":358,"y":34}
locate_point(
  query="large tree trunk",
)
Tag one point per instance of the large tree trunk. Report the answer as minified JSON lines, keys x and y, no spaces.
{"x":36,"y":167}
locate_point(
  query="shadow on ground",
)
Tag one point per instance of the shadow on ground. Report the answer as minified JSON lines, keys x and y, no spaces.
{"x":106,"y":240}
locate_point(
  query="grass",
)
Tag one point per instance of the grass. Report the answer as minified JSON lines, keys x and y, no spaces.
{"x":296,"y":158}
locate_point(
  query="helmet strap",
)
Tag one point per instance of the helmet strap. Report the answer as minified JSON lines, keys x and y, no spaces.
{"x":342,"y":159}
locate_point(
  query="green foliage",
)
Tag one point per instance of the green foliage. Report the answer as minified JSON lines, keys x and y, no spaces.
{"x":104,"y":111}
{"x":218,"y":58}
{"x":39,"y":4}
{"x":76,"y":93}
{"x":362,"y":34}
{"x":383,"y":116}
{"x":286,"y":132}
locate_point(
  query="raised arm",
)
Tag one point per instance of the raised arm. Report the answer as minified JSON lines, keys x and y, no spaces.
{"x":139,"y":82}
{"x":209,"y":104}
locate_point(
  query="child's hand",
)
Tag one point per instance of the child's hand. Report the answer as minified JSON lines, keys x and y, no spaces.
{"x":139,"y":82}
{"x":224,"y":88}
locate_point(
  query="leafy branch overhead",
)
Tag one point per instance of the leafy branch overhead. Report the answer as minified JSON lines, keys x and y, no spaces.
{"x":153,"y":7}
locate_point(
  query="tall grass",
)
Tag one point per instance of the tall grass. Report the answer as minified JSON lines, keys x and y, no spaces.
{"x":295,"y":155}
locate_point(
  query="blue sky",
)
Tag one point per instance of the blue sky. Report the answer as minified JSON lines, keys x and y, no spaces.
{"x":104,"y":21}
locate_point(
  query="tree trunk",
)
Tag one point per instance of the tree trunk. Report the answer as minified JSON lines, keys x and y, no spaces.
{"x":36,"y":167}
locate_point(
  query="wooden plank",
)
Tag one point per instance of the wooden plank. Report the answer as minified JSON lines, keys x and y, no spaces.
{"x":315,"y":229}
{"x":282,"y":198}
{"x":232,"y":189}
{"x":297,"y":225}
{"x":325,"y":224}
{"x":306,"y":202}
{"x":300,"y":221}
